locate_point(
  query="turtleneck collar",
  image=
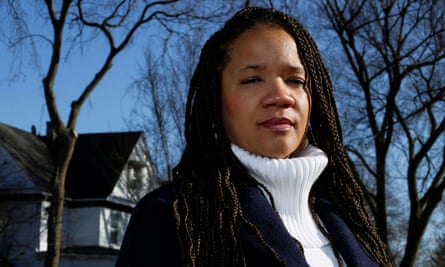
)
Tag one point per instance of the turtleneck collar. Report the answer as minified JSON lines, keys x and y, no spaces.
{"x":289,"y":181}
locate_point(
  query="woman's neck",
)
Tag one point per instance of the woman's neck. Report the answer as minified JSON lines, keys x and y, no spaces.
{"x":289,"y":182}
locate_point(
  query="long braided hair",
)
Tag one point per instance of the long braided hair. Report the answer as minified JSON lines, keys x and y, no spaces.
{"x":209,"y":179}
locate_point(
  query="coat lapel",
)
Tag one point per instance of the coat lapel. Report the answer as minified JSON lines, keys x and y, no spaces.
{"x":260,"y":213}
{"x":353,"y":253}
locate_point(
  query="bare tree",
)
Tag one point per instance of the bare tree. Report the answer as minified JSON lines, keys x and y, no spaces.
{"x":392,"y":91}
{"x":160,"y":88}
{"x":73,"y":24}
{"x":161,"y":91}
{"x":161,"y":95}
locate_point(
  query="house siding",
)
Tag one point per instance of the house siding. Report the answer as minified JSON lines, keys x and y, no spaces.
{"x":22,"y":237}
{"x":82,"y":226}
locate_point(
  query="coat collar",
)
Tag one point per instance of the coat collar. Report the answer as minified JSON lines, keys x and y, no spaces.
{"x":259,"y":212}
{"x":353,"y":253}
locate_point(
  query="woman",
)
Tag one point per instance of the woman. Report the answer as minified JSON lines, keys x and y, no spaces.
{"x":264,"y":179}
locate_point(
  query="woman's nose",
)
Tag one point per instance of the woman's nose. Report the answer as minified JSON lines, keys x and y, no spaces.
{"x":279,"y":95}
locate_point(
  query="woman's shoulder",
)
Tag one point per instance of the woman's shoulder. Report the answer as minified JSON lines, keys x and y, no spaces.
{"x":162,"y":196}
{"x":151,"y":232}
{"x":153,"y":214}
{"x":164,"y":192}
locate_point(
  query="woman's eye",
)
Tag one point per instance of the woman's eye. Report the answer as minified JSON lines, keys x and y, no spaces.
{"x":296,"y":82}
{"x":251,"y":80}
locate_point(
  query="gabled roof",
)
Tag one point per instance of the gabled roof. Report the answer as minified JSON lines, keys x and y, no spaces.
{"x":96,"y":165}
{"x":29,"y":152}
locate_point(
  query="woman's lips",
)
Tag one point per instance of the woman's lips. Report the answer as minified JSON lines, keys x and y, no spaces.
{"x":277,"y":124}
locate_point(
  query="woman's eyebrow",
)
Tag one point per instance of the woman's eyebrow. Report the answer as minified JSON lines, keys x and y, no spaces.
{"x":297,"y":69}
{"x":293,"y":68}
{"x":252,"y":67}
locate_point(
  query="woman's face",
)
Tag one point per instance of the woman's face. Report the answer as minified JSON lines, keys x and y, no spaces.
{"x":265,"y":106}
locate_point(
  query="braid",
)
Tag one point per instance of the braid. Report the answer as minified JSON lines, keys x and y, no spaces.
{"x":208,"y":180}
{"x":325,"y":131}
{"x":207,"y":207}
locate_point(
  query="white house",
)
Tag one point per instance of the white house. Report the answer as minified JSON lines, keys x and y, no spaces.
{"x":108,"y":174}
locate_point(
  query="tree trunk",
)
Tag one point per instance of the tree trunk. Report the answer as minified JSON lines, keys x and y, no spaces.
{"x":413,"y":242}
{"x":381,"y":216}
{"x":63,"y":150}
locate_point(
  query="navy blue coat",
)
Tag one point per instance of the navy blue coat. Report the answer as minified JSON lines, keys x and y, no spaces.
{"x":151,"y":239}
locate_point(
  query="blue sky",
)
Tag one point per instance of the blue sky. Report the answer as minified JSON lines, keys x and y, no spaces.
{"x":22,"y":101}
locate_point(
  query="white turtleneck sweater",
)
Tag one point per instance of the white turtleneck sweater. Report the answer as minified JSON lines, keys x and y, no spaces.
{"x":289,"y":181}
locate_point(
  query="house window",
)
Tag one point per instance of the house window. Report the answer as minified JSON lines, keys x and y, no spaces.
{"x":115,"y":227}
